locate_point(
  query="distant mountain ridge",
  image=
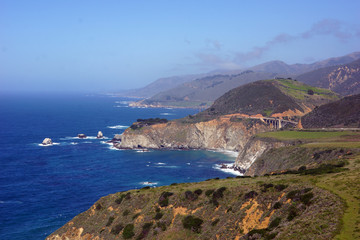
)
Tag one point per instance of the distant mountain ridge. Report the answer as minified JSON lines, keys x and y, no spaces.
{"x":343,"y":79}
{"x":297,"y":69}
{"x":201,"y":92}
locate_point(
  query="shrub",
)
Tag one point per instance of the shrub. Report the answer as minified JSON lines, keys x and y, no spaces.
{"x":250,"y":195}
{"x":192,"y":223}
{"x":98,"y":206}
{"x":117,"y":229}
{"x":292,"y":214}
{"x":274,"y":223}
{"x":198,"y":192}
{"x":302,"y":168}
{"x":164,"y":198}
{"x":277,"y":205}
{"x":216,"y":221}
{"x":144,"y":188}
{"x":229,"y":209}
{"x":209,"y":192}
{"x":126,"y":212}
{"x":262,"y":232}
{"x":292,"y":194}
{"x":158,"y":216}
{"x":306,"y":198}
{"x":157,"y":209}
{"x":280,"y":187}
{"x":310,"y":92}
{"x":120,"y":199}
{"x":145,"y":230}
{"x":128,"y":231}
{"x":189,"y":195}
{"x":164,"y":203}
{"x":219,"y":193}
{"x":162,"y":225}
{"x":110,"y":221}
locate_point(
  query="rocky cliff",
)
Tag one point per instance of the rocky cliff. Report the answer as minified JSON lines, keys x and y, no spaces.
{"x":221,"y":133}
{"x":254,"y":149}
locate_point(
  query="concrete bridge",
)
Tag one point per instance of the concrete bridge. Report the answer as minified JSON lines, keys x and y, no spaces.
{"x":276,"y":123}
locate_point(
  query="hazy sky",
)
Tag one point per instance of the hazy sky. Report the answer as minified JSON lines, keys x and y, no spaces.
{"x":72,"y":45}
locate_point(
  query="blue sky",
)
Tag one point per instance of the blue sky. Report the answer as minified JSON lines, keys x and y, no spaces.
{"x":74,"y":45}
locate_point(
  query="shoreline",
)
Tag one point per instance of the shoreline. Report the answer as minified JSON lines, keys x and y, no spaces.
{"x":224,"y":167}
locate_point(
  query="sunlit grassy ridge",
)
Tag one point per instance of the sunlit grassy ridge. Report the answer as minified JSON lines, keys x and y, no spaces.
{"x":296,"y":135}
{"x":300,"y":90}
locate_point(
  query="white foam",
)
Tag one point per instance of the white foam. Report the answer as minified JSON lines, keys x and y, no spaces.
{"x":105,"y":142}
{"x":118,"y":127}
{"x":188,"y":163}
{"x":149,"y":183}
{"x":167,"y":166}
{"x":122,"y":102}
{"x":160,"y":163}
{"x":227,"y":170}
{"x":74,"y":143}
{"x":167,"y":114}
{"x":69,"y":138}
{"x":114,"y":148}
{"x":48,"y":145}
{"x":227,"y":152}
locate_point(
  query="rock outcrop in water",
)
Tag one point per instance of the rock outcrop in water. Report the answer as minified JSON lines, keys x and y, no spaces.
{"x":100,"y":135}
{"x":81,"y":135}
{"x":47,"y":141}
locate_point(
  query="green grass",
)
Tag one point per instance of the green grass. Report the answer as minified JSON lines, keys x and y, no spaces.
{"x":332,"y":144}
{"x":346,"y":185}
{"x":300,"y":90}
{"x":296,"y":135}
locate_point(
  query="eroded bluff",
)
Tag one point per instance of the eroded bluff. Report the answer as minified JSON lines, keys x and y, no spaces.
{"x":224,"y":133}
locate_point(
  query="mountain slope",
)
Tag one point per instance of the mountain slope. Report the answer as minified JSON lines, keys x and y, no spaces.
{"x":271,"y":98}
{"x":162,"y":84}
{"x":342,"y":113}
{"x":202,"y":92}
{"x":215,"y":209}
{"x":343,"y":79}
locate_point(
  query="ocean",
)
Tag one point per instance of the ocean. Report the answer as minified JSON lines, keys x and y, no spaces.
{"x":42,"y":188}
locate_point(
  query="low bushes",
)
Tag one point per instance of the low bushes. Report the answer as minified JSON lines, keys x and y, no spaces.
{"x":128,"y":231}
{"x":192,"y":223}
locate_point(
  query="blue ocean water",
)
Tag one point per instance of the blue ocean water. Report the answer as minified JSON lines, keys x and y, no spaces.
{"x":41,"y":188}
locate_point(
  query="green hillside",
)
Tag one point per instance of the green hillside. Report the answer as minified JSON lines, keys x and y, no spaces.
{"x":270,"y":97}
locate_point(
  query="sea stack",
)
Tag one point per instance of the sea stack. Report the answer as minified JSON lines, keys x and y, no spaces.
{"x":100,"y":135}
{"x":47,"y":141}
{"x":81,"y":135}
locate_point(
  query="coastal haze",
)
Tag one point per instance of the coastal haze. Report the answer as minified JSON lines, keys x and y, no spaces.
{"x":90,"y":46}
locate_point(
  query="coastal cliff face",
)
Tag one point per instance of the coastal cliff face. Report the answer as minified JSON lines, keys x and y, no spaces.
{"x":221,"y":133}
{"x":253,"y":150}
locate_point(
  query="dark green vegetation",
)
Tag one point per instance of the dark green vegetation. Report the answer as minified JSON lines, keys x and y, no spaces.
{"x":342,"y":79}
{"x":342,"y":113}
{"x":147,"y":122}
{"x":267,"y":98}
{"x":262,"y":207}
